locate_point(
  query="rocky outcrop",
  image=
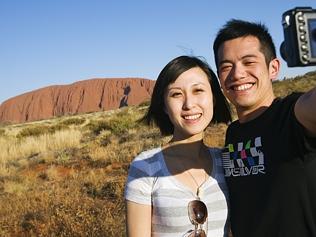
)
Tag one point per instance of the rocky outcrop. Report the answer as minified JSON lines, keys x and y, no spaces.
{"x":80,"y":97}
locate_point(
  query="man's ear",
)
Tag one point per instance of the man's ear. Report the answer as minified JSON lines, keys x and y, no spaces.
{"x":274,"y":68}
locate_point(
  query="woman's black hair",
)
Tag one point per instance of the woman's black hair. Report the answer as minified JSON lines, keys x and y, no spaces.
{"x":156,"y":111}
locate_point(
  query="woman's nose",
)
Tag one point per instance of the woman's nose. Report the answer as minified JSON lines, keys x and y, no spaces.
{"x":188,"y":102}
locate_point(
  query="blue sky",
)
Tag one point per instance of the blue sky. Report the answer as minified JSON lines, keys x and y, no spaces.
{"x":57,"y":42}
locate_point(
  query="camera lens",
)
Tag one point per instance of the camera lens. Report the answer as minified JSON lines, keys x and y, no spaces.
{"x":312,"y":36}
{"x":283,"y":51}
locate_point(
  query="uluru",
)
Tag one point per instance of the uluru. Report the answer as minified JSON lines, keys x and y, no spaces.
{"x":85,"y":96}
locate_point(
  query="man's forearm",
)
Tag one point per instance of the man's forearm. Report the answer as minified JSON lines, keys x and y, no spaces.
{"x":305,"y":111}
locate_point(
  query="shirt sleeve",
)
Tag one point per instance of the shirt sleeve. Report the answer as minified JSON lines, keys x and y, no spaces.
{"x":139,"y":181}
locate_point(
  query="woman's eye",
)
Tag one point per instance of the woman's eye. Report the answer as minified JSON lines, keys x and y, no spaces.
{"x":198,"y":90}
{"x":175,"y":94}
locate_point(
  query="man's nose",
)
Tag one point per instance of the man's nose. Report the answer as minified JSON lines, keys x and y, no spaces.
{"x":238,"y":72}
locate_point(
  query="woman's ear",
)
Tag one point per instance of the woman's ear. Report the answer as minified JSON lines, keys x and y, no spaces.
{"x":274,"y":68}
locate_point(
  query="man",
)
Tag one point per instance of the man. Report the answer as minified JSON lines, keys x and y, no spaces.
{"x":270,"y":154}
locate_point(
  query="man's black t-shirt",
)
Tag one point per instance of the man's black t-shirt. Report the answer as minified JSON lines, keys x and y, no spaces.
{"x":270,"y":169}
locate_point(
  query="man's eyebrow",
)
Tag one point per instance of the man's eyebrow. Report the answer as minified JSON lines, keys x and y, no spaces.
{"x":243,"y":57}
{"x":249,"y":56}
{"x":224,"y":61}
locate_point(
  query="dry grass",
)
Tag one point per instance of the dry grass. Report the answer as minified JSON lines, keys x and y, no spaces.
{"x":66,"y":176}
{"x":17,"y":152}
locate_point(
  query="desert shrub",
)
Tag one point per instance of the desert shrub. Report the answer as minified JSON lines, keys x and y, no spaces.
{"x":145,"y":103}
{"x":311,"y":74}
{"x":5,"y":123}
{"x":298,"y":83}
{"x":29,"y":219}
{"x":122,"y":112}
{"x":105,"y":140}
{"x":32,"y":131}
{"x":153,"y":134}
{"x":96,"y":127}
{"x":110,"y":191}
{"x":120,"y":125}
{"x":73,"y":121}
{"x":57,"y":127}
{"x":2,"y":132}
{"x":62,"y":157}
{"x":40,"y":130}
{"x":117,"y":125}
{"x":90,"y":189}
{"x":126,"y":137}
{"x":61,"y":211}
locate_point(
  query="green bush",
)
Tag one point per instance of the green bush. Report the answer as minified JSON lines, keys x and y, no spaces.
{"x":40,"y":130}
{"x":73,"y":121}
{"x":117,"y":125}
{"x":121,"y":125}
{"x":97,"y":126}
{"x":32,"y":131}
{"x":2,"y":132}
{"x":144,"y":103}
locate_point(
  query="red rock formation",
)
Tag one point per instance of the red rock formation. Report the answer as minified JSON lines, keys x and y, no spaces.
{"x":80,"y":97}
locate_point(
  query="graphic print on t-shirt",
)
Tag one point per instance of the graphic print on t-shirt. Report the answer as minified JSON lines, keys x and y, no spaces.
{"x":243,"y":158}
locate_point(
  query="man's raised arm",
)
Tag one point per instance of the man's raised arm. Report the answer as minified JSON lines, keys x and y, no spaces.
{"x":305,"y":111}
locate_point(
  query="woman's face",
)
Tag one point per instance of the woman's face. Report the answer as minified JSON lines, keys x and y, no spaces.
{"x":189,"y":103}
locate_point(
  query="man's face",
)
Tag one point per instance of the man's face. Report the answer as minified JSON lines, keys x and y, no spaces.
{"x":244,"y":74}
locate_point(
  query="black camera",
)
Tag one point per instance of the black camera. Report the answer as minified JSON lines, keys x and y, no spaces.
{"x":299,"y":46}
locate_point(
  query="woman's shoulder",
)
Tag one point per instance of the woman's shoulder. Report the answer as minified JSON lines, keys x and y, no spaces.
{"x":147,"y":161}
{"x":148,"y":155}
{"x":216,"y":154}
{"x":216,"y":151}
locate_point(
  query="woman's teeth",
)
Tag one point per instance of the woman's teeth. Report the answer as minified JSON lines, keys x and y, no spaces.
{"x":191,"y":117}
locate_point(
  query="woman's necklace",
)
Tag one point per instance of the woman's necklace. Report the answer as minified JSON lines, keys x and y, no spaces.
{"x":187,"y":169}
{"x":196,"y":183}
{"x":198,"y":186}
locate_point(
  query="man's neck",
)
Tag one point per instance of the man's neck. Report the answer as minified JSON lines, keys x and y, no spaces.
{"x":248,"y":114}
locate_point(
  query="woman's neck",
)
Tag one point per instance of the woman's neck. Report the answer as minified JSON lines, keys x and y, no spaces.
{"x":176,"y":139}
{"x":189,"y":147}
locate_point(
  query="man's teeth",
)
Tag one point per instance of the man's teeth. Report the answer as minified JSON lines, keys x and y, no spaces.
{"x":196,"y":116}
{"x":242,"y":87}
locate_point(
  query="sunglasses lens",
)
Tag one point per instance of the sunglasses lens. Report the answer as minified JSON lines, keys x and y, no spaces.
{"x":198,"y":233}
{"x":197,"y":212}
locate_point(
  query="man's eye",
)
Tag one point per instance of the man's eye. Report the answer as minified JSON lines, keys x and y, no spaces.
{"x":225,"y":68}
{"x":249,"y":63}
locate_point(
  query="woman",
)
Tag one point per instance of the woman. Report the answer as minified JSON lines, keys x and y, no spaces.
{"x":179,"y":189}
